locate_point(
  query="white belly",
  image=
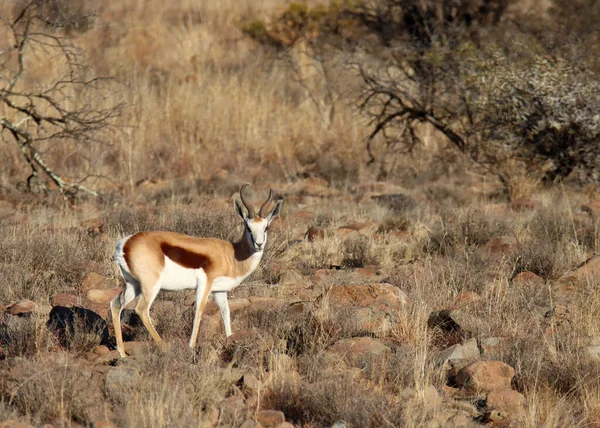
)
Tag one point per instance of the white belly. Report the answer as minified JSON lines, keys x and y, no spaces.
{"x":175,"y":277}
{"x":224,"y":283}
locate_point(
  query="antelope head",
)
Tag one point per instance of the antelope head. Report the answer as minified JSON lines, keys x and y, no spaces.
{"x":257,"y":226}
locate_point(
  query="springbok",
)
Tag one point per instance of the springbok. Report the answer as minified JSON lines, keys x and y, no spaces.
{"x":154,"y":261}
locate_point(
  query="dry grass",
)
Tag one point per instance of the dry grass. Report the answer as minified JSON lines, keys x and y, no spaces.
{"x":203,"y":99}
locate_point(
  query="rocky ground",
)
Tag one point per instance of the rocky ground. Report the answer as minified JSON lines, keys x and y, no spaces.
{"x":374,"y":306}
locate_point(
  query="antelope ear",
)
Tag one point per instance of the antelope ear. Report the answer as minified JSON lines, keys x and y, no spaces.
{"x":240,"y":210}
{"x":275,"y":211}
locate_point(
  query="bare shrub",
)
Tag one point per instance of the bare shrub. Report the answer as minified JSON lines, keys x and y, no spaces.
{"x":173,"y":388}
{"x":19,"y":336}
{"x":49,"y":389}
{"x":39,"y":264}
{"x":73,"y":108}
{"x":544,"y":112}
{"x":335,"y":397}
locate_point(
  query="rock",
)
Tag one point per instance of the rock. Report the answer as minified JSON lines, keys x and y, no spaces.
{"x":523,"y":204}
{"x":566,"y":286}
{"x":109,"y":358}
{"x":505,"y":400}
{"x":485,"y":376}
{"x":494,"y":347}
{"x":361,"y":352}
{"x":500,"y":246}
{"x":69,"y":323}
{"x":135,"y":348}
{"x":528,"y":278}
{"x":368,"y":273}
{"x":465,"y":299}
{"x":6,"y":209}
{"x":15,"y":424}
{"x":399,"y":203}
{"x":93,"y":226}
{"x":314,"y":233}
{"x":94,"y":280}
{"x":22,"y":307}
{"x":284,"y":425}
{"x":251,"y":423}
{"x":210,"y":416}
{"x":233,"y":408}
{"x":270,"y":418}
{"x":72,"y":301}
{"x":250,"y":345}
{"x":495,"y":418}
{"x":314,"y":187}
{"x":559,"y":317}
{"x":249,"y":383}
{"x":102,"y":296}
{"x":456,"y":321}
{"x":592,"y":352}
{"x":368,"y":228}
{"x":592,"y":208}
{"x":403,"y":236}
{"x":467,"y":352}
{"x":101,"y":350}
{"x":119,"y":379}
{"x":431,"y":398}
{"x":290,"y":277}
{"x":99,"y":423}
{"x":370,"y":308}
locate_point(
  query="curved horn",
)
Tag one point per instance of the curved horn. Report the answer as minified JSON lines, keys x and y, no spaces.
{"x":264,"y":206}
{"x":249,"y":207}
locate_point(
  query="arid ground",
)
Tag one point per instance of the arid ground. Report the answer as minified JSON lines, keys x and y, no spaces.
{"x":410,"y":280}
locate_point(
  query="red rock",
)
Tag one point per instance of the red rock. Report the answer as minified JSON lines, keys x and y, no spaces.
{"x":506,"y":400}
{"x":402,"y":235}
{"x":102,"y":424}
{"x":502,"y":245}
{"x":15,"y":424}
{"x":592,"y":208}
{"x":370,"y":272}
{"x":251,"y":423}
{"x":22,"y":307}
{"x":361,"y":352}
{"x":567,"y":286}
{"x":522,"y":204}
{"x":270,"y":418}
{"x":367,"y":228}
{"x":284,"y":425}
{"x":6,"y":209}
{"x":93,"y":226}
{"x":135,"y":348}
{"x":315,"y":234}
{"x":465,"y":299}
{"x":528,"y":278}
{"x":370,"y":308}
{"x":321,"y":275}
{"x":101,"y":350}
{"x":109,"y":357}
{"x":70,"y":300}
{"x":67,"y":300}
{"x":291,"y":276}
{"x":485,"y":376}
{"x":495,"y":347}
{"x":94,"y":280}
{"x":103,"y":296}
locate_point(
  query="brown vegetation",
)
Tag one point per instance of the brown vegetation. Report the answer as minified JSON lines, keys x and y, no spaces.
{"x":389,"y":290}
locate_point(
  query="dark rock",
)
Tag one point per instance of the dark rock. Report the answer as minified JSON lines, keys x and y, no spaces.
{"x":65,"y":323}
